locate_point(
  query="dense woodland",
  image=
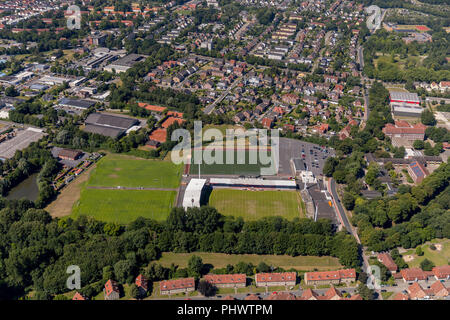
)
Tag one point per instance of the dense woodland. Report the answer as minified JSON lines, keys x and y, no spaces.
{"x":35,"y":250}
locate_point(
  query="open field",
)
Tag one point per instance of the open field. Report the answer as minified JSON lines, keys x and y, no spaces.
{"x":124,"y":206}
{"x":131,"y":172}
{"x":439,"y":257}
{"x":253,"y":205}
{"x":221,"y":260}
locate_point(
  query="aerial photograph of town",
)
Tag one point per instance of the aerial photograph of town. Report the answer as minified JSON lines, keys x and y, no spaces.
{"x":198,"y":152}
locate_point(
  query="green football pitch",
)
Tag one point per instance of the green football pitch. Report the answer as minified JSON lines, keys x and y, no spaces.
{"x":248,"y":167}
{"x":124,"y":206}
{"x":101,"y":198}
{"x":253,"y":205}
{"x":130,"y":172}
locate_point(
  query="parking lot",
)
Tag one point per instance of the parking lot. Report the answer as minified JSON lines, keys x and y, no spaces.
{"x":314,"y":156}
{"x":22,"y":140}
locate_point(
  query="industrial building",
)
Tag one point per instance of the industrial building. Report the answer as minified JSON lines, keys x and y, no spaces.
{"x":125,"y":63}
{"x":405,"y":104}
{"x":108,"y":125}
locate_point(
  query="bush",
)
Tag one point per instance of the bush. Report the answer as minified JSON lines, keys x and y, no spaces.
{"x":206,"y":288}
{"x":426,"y":265}
{"x":419,"y":251}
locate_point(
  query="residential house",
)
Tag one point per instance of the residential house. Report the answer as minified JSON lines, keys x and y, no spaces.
{"x":227,"y":280}
{"x":176,"y":286}
{"x":386,"y":259}
{"x":276,"y":279}
{"x":111,"y":290}
{"x":330,"y":277}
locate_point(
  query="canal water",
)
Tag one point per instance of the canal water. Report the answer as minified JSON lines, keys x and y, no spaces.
{"x":27,"y":189}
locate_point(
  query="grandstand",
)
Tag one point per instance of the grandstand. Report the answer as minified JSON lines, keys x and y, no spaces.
{"x":193,"y":193}
{"x":253,"y":183}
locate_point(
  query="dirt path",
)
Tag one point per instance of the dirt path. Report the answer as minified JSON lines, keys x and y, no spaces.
{"x":62,"y":206}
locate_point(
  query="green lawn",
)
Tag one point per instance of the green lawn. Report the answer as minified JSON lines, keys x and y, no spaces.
{"x":124,"y":206}
{"x":221,"y":260}
{"x":126,"y":171}
{"x":253,"y":205}
{"x":247,"y":168}
{"x":439,"y":258}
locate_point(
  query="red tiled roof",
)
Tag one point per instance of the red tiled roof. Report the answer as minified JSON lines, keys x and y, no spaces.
{"x":442,"y":271}
{"x":332,"y":292}
{"x":412,"y":274}
{"x":78,"y":296}
{"x":400,"y":296}
{"x":308,"y":294}
{"x":416,"y":291}
{"x":403,"y":127}
{"x":111,"y":286}
{"x":282,"y":296}
{"x":142,"y":282}
{"x":437,"y":287}
{"x":226,"y":278}
{"x":229,"y":298}
{"x":276,"y":277}
{"x":177,"y":284}
{"x":252,"y":297}
{"x":387,"y":260}
{"x":330,"y":275}
{"x":266,"y":122}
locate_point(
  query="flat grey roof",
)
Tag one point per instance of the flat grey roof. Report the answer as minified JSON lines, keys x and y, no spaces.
{"x":104,"y":131}
{"x":108,"y":120}
{"x":77,"y":103}
{"x":404,"y":96}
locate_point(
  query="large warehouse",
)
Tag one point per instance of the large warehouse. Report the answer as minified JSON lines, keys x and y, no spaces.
{"x":253,"y":183}
{"x":405,"y":104}
{"x":108,"y":125}
{"x":193,"y":193}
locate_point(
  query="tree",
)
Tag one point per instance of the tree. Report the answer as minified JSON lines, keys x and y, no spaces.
{"x":419,"y":251}
{"x":195,"y":266}
{"x":365,"y":292}
{"x":329,"y":166}
{"x":11,"y":92}
{"x":263,"y":267}
{"x":348,"y":201}
{"x":124,"y":270}
{"x":134,"y":291}
{"x":426,"y":265}
{"x":206,"y":288}
{"x":418,"y":144}
{"x":428,"y":118}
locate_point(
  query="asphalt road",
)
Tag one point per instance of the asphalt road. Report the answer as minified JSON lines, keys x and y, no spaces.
{"x":338,"y":206}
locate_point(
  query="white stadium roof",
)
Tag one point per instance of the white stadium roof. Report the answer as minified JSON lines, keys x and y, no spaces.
{"x":250,"y":182}
{"x":193,"y":193}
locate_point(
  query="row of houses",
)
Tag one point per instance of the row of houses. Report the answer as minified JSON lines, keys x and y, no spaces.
{"x":416,"y":292}
{"x":309,"y":294}
{"x":168,"y":287}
